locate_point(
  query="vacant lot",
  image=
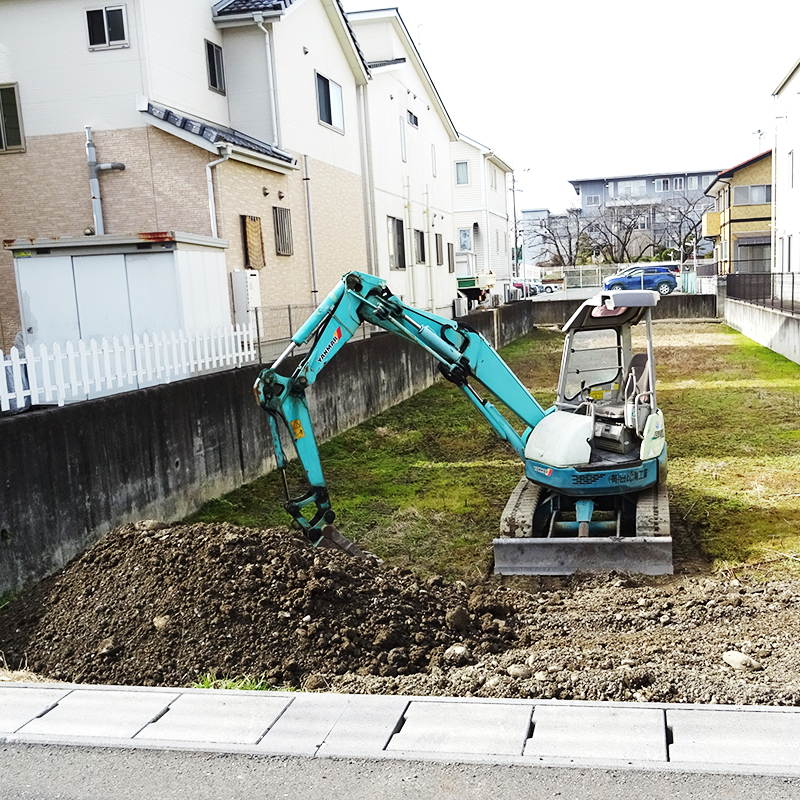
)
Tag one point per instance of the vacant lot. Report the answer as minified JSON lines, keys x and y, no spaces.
{"x":423,"y":486}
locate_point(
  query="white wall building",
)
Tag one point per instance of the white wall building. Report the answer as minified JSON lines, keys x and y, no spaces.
{"x":480,"y":208}
{"x":786,"y":174}
{"x":409,"y":199}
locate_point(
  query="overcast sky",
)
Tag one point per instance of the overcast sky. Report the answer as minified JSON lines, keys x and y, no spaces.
{"x":584,"y":89}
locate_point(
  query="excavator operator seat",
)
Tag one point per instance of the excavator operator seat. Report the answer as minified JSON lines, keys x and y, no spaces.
{"x":634,"y":402}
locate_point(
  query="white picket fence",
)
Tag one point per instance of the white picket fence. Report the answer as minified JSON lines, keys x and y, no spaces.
{"x":45,"y":376}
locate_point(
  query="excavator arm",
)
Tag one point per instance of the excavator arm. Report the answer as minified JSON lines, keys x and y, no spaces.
{"x":462,"y":354}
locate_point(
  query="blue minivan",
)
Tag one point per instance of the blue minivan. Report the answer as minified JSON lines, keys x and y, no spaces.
{"x":659,"y":279}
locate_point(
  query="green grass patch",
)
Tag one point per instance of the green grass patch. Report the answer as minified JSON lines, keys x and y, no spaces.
{"x":209,"y":680}
{"x":423,"y":484}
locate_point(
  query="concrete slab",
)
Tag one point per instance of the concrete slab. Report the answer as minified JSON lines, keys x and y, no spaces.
{"x":21,"y":705}
{"x":469,"y":728}
{"x":734,"y":737}
{"x":302,"y":728}
{"x":99,"y":714}
{"x":635,"y":734}
{"x":365,"y":726}
{"x":230,"y":718}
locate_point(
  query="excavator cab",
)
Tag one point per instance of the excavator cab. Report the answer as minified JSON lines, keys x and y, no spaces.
{"x":594,"y":496}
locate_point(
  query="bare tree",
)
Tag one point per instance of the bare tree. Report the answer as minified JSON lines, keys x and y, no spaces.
{"x":557,"y":239}
{"x":621,"y":232}
{"x":679,"y":223}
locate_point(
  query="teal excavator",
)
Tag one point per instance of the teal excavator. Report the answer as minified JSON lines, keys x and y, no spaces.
{"x":593,"y":495}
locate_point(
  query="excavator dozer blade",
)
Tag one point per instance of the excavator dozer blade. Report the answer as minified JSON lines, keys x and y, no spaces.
{"x":519,"y":553}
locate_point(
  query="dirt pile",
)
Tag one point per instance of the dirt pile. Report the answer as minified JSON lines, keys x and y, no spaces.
{"x":160,"y":606}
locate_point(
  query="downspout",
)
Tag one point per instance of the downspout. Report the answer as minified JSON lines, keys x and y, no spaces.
{"x":366,"y":179}
{"x":225,"y":152}
{"x":430,"y":248}
{"x":258,"y":18}
{"x":411,"y":257}
{"x":487,"y":264}
{"x":94,"y":183}
{"x":307,"y":181}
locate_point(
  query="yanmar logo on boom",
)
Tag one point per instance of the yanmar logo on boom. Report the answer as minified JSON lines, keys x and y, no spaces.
{"x":329,"y":346}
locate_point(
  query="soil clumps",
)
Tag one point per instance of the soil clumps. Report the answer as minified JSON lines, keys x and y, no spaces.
{"x":152,"y":604}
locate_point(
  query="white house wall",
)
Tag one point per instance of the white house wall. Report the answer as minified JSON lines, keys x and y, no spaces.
{"x":786,"y":191}
{"x":408,"y":190}
{"x":308,"y":26}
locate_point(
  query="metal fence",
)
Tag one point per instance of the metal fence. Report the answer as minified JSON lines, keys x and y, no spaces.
{"x":776,"y":290}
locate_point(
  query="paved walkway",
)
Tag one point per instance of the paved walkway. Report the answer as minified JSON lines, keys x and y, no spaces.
{"x":744,"y":739}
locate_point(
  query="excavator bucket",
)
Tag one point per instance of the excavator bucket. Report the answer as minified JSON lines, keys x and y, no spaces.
{"x":518,"y":552}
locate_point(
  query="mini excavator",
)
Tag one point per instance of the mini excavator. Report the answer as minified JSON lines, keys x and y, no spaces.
{"x":593,"y":495}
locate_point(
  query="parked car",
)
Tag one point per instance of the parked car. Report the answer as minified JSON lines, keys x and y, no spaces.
{"x":658,"y":278}
{"x":528,"y":289}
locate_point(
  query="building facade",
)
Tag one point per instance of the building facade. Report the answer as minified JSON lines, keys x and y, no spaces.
{"x":739,"y":223}
{"x":658,"y":211}
{"x":785,"y":177}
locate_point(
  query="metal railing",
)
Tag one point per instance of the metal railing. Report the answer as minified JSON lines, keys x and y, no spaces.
{"x":776,"y":290}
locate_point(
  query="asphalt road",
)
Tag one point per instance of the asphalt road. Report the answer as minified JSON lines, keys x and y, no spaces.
{"x":47,"y":772}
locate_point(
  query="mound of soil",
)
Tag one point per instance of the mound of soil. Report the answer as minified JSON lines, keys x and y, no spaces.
{"x":157,"y":605}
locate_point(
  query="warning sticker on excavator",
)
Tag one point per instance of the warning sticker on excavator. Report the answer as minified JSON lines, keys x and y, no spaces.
{"x":297,"y":429}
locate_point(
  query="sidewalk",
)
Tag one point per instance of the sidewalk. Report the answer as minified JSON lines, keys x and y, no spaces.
{"x":740,"y":739}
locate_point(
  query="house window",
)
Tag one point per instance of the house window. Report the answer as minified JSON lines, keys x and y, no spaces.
{"x":397,"y":245}
{"x":752,"y":195}
{"x":637,"y":188}
{"x":252,"y":243}
{"x":642,"y":222}
{"x":107,"y":27}
{"x":439,"y":249}
{"x":465,"y":239}
{"x":497,"y":241}
{"x":707,"y":181}
{"x":493,"y":178}
{"x":725,"y":250}
{"x":592,"y":199}
{"x":413,"y":120}
{"x":402,"y":139}
{"x":433,"y":160}
{"x":451,"y":257}
{"x":462,"y":174}
{"x":692,"y":183}
{"x":11,"y":138}
{"x":662,"y":184}
{"x":216,"y":74}
{"x":329,"y":103}
{"x":419,"y":246}
{"x":282,"y":218}
{"x":677,"y":184}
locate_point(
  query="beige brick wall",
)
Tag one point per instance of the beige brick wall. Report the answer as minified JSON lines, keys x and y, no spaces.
{"x":45,"y":193}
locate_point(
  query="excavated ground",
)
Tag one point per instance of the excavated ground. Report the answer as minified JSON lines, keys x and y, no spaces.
{"x":162,"y":605}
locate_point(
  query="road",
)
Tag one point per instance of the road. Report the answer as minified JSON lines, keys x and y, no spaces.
{"x":49,"y":772}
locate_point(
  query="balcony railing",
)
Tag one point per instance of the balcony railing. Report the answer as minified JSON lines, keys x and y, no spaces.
{"x":776,"y":290}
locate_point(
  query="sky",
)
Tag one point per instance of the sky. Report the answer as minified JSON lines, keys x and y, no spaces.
{"x":572,"y":90}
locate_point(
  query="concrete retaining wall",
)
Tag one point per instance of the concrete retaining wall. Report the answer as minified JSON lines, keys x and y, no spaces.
{"x":776,"y":330}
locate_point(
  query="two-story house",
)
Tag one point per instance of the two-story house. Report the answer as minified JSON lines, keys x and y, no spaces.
{"x":409,"y":208}
{"x":739,"y":224}
{"x":480,"y":209}
{"x":786,"y":177}
{"x":661,"y":210}
{"x":238,"y":123}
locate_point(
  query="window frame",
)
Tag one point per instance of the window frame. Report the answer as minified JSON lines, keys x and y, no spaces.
{"x":468,"y":231}
{"x":439,"y":240}
{"x":117,"y":44}
{"x":219,"y":66}
{"x":662,"y":185}
{"x":737,"y":190}
{"x":282,"y":225}
{"x":451,"y":257}
{"x":466,"y":167}
{"x":4,"y":146}
{"x":692,"y":183}
{"x":249,"y":256}
{"x":396,"y":242}
{"x":331,"y":95}
{"x":413,"y":119}
{"x":592,"y":197}
{"x":419,"y":247}
{"x":678,"y":184}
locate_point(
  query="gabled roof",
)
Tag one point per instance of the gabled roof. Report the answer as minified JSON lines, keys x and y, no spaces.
{"x":242,"y":12}
{"x":392,"y":15}
{"x":230,"y":7}
{"x":729,"y":173}
{"x":788,"y":77}
{"x":486,"y":152}
{"x":209,"y":135}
